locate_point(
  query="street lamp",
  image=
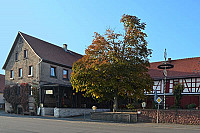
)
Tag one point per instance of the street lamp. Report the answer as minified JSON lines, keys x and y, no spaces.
{"x":165,"y":66}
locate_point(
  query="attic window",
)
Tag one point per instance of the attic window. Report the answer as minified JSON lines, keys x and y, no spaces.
{"x":16,"y":56}
{"x":25,"y":53}
{"x":11,"y":74}
{"x":30,"y":73}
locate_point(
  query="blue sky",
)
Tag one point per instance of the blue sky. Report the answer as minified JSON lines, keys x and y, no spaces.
{"x":171,"y":24}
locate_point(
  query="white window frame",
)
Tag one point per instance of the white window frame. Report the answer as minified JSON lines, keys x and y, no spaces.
{"x":54,"y":71}
{"x":30,"y":71}
{"x":25,"y":54}
{"x":11,"y":74}
{"x":20,"y":72}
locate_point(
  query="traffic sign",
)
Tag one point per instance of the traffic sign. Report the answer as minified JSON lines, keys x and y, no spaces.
{"x":159,"y":100}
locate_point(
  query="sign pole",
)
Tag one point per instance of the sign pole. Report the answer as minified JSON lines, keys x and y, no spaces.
{"x":165,"y":75}
{"x":157,"y":112}
{"x":158,"y":100}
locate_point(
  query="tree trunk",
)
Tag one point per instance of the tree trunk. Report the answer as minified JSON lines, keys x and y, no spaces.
{"x":115,"y":105}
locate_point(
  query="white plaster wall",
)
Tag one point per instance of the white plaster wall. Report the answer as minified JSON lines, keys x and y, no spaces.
{"x":47,"y":111}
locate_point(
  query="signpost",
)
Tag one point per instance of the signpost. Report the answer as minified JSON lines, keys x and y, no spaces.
{"x":144,"y":104}
{"x":158,"y":100}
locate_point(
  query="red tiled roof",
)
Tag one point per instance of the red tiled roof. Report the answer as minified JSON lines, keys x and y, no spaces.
{"x":2,"y":83}
{"x":188,"y":67}
{"x":51,"y":53}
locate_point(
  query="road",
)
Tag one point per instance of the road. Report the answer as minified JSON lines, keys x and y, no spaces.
{"x":27,"y":124}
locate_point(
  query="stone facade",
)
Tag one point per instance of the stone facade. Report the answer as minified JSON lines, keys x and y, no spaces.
{"x":40,"y":69}
{"x":24,"y":63}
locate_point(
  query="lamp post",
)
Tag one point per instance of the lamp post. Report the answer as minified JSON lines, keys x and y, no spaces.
{"x":165,"y":66}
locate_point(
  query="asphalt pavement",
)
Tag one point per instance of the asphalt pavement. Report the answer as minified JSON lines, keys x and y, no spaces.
{"x":12,"y":123}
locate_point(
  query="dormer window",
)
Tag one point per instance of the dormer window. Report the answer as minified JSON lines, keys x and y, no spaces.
{"x":25,"y":53}
{"x":16,"y":56}
{"x":53,"y":71}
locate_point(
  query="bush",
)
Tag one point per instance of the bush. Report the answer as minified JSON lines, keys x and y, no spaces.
{"x":191,"y":106}
{"x":178,"y":89}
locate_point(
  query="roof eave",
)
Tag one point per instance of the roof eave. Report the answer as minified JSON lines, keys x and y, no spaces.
{"x":176,"y":77}
{"x":13,"y":46}
{"x":58,"y":64}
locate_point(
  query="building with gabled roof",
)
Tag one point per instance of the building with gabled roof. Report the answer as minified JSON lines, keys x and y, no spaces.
{"x":187,"y":72}
{"x":42,"y":65}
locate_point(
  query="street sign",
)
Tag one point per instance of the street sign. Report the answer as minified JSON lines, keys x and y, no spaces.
{"x":159,"y":100}
{"x":144,"y":105}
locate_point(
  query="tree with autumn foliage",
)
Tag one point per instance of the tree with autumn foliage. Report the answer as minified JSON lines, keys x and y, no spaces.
{"x":115,"y":65}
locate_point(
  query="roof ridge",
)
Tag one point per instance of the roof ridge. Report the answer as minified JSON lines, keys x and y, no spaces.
{"x":48,"y":42}
{"x":177,"y":59}
{"x":40,"y":39}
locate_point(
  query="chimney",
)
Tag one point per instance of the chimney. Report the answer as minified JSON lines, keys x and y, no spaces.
{"x":169,"y":60}
{"x":65,"y":47}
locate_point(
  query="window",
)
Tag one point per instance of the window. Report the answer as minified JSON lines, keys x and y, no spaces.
{"x":30,"y":90}
{"x":25,"y":53}
{"x":16,"y":56}
{"x":11,"y":74}
{"x":65,"y":74}
{"x":20,"y":72}
{"x":53,"y":71}
{"x":30,"y":72}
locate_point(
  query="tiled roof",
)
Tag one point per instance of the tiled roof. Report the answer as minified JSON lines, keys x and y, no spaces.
{"x":2,"y":83}
{"x":51,"y":53}
{"x":188,"y":67}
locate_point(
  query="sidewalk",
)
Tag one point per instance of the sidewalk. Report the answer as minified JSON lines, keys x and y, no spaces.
{"x":76,"y":118}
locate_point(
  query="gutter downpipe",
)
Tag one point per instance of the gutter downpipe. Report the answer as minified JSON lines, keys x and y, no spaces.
{"x":38,"y":72}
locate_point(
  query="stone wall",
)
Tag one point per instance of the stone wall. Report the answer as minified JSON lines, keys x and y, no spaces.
{"x":128,"y":117}
{"x":191,"y":117}
{"x":68,"y":112}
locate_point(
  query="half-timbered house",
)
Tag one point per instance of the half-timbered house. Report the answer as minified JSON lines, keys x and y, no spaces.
{"x":187,"y":72}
